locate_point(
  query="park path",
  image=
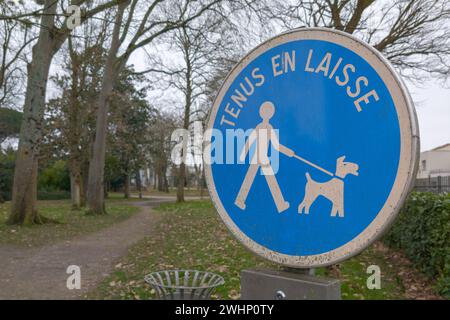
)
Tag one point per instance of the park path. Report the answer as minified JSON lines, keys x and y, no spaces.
{"x":40,"y":273}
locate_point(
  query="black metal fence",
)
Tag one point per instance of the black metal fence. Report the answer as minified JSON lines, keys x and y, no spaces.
{"x":437,"y":184}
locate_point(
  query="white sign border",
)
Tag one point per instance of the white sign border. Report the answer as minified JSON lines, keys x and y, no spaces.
{"x":409,"y":149}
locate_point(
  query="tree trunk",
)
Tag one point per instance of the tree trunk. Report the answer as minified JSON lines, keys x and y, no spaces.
{"x":75,"y":190}
{"x":160,"y":181}
{"x":24,"y":195}
{"x":147,"y":178}
{"x":126,"y":192}
{"x":165,"y":183}
{"x":96,"y":192}
{"x":75,"y":127}
{"x":106,"y":189}
{"x":197,"y":174}
{"x":186,"y":121}
{"x":181,"y":182}
{"x":84,"y":183}
{"x":139,"y":184}
{"x":202,"y":181}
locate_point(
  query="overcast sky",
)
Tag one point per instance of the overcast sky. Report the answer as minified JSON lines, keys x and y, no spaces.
{"x":431,"y":100}
{"x":432,"y":103}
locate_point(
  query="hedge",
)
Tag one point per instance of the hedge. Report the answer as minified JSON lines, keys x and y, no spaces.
{"x":422,"y":231}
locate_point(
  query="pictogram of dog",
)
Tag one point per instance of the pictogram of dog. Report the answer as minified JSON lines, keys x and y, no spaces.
{"x":333,"y":189}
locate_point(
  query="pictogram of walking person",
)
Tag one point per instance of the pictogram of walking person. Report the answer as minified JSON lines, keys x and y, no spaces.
{"x":262,"y":135}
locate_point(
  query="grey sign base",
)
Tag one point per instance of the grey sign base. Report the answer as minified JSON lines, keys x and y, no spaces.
{"x":287,"y":285}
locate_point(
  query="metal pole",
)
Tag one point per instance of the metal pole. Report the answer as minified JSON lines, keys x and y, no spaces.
{"x":307,"y":271}
{"x":288,"y":284}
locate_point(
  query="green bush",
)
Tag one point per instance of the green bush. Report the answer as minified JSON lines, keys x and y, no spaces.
{"x":10,"y":121}
{"x":7,"y":163}
{"x":55,"y":177}
{"x":422,"y":231}
{"x":53,"y":181}
{"x":53,"y":195}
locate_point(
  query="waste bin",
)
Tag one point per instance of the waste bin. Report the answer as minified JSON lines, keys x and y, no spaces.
{"x":183,"y":284}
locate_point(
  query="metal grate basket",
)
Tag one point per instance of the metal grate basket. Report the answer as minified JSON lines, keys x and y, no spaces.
{"x":183,"y":284}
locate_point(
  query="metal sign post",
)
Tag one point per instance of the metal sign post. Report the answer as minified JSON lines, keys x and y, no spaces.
{"x":294,"y":284}
{"x":311,"y":149}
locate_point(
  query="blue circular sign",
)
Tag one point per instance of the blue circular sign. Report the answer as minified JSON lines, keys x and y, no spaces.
{"x":312,"y":147}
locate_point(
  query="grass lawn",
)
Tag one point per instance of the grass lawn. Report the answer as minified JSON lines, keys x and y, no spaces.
{"x":191,"y":192}
{"x":72,"y":222}
{"x":191,"y":235}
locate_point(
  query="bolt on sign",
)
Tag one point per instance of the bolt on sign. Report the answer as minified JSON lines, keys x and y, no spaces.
{"x":325,"y":147}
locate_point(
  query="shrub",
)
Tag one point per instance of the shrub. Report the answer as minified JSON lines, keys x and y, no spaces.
{"x":422,"y":231}
{"x":10,"y":121}
{"x":55,"y":177}
{"x":7,"y":163}
{"x":53,"y":195}
{"x":53,"y":181}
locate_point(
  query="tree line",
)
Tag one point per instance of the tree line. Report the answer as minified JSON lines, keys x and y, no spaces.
{"x":71,"y":89}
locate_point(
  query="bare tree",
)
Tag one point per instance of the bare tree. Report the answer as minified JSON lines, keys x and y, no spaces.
{"x":15,"y":39}
{"x":160,"y":148}
{"x":86,"y":67}
{"x":70,"y":116}
{"x":412,"y":34}
{"x":142,"y":22}
{"x":96,"y":191}
{"x":199,"y":47}
{"x":53,"y":32}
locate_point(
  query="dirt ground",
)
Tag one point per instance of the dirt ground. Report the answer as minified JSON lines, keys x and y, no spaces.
{"x":40,"y":273}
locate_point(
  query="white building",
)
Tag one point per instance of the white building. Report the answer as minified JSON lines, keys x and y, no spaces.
{"x":435,"y":162}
